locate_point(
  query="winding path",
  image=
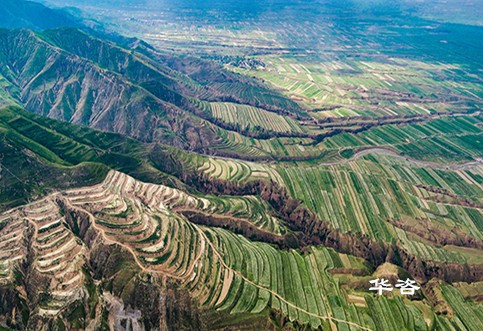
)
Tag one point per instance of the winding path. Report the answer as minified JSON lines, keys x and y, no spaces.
{"x":328,"y":318}
{"x":203,"y":241}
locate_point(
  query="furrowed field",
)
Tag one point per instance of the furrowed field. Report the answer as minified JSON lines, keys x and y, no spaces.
{"x":449,"y":139}
{"x":250,"y":118}
{"x":363,"y":196}
{"x":368,"y":88}
{"x":368,"y":116}
{"x":223,"y":270}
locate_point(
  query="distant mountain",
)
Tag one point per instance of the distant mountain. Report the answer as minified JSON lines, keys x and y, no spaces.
{"x":69,"y":75}
{"x":27,"y":14}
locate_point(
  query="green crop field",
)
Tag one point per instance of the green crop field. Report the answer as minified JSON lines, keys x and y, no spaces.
{"x":250,"y":118}
{"x":373,"y":190}
{"x":451,"y":139}
{"x":241,"y":165}
{"x":361,"y":196}
{"x":229,"y":272}
{"x":352,"y":87}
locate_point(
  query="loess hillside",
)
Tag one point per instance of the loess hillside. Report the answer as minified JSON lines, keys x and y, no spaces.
{"x":129,"y":235}
{"x":244,"y":170}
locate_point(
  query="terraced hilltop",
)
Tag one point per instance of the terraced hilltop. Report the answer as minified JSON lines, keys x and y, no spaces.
{"x":60,"y":236}
{"x":253,"y":167}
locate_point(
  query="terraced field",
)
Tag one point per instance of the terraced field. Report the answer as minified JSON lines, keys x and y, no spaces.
{"x":239,"y":171}
{"x":249,"y":118}
{"x":452,"y":139}
{"x":457,"y":138}
{"x":462,"y":310}
{"x":223,"y":270}
{"x":59,"y":256}
{"x":363,"y":122}
{"x":367,"y":194}
{"x":350,"y":88}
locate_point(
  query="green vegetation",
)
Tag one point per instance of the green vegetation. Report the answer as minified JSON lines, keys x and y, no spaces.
{"x":347,"y":88}
{"x":235,"y":275}
{"x":357,"y":127}
{"x":467,"y":315}
{"x":361,"y":196}
{"x":40,"y":154}
{"x":250,"y":119}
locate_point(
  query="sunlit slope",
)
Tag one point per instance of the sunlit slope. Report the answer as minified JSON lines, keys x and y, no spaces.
{"x":221,"y":270}
{"x":69,"y":75}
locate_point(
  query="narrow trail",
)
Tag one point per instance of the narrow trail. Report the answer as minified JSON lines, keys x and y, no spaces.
{"x":204,"y":240}
{"x":328,"y":318}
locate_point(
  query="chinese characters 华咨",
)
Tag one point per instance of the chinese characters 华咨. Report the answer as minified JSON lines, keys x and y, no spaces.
{"x":406,"y":287}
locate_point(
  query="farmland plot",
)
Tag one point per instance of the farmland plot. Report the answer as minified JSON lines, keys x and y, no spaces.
{"x":367,"y":88}
{"x":449,"y":139}
{"x":222,"y":270}
{"x":239,"y":171}
{"x":249,"y":118}
{"x":363,"y":195}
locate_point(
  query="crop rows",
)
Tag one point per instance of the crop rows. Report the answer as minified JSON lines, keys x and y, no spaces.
{"x":235,"y":170}
{"x":247,"y":279}
{"x":229,"y":272}
{"x":351,"y":87}
{"x":454,"y":139}
{"x":222,"y":270}
{"x":428,"y":252}
{"x":233,"y":142}
{"x":362,"y":196}
{"x":458,"y":138}
{"x":248,"y":117}
{"x":305,"y":291}
{"x":467,"y":316}
{"x":59,"y":257}
{"x":255,"y":94}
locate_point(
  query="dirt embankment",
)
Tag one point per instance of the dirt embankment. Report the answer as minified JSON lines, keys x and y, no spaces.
{"x":309,"y":230}
{"x":241,"y":226}
{"x":136,"y":297}
{"x":437,"y":235}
